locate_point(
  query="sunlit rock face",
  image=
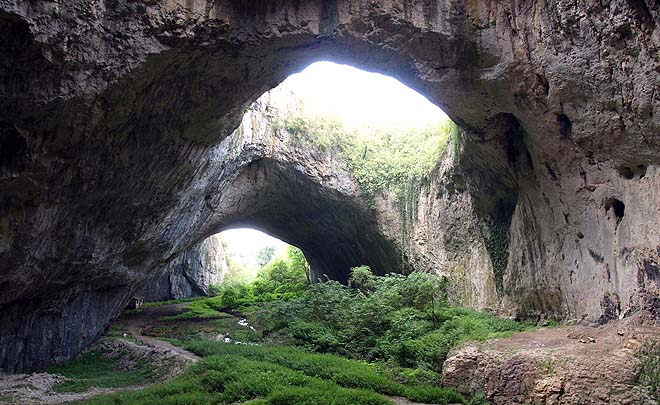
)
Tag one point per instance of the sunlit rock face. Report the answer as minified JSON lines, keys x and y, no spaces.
{"x":191,"y":274}
{"x":113,"y":114}
{"x":273,"y":181}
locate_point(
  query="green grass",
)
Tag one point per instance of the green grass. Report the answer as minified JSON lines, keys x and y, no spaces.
{"x":649,"y":356}
{"x":201,"y":308}
{"x":154,"y":304}
{"x":210,"y":328}
{"x":344,"y":372}
{"x":117,"y":330}
{"x":336,"y":344}
{"x":278,"y":375}
{"x":95,"y":369}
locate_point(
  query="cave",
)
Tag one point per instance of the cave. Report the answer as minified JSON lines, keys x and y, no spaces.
{"x":618,"y":209}
{"x":123,"y":109}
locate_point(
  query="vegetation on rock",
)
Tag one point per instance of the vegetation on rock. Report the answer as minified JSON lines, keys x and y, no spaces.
{"x":381,"y":159}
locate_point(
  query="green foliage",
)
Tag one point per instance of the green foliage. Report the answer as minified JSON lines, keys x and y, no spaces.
{"x":280,"y":280}
{"x":401,"y":324}
{"x":237,"y":274}
{"x":362,"y":279}
{"x":403,"y":320}
{"x":97,"y":369}
{"x":265,"y":255}
{"x":343,"y":372}
{"x":323,"y":133}
{"x":284,"y":279}
{"x":381,"y":160}
{"x":650,"y":375}
{"x":298,"y":262}
{"x":456,"y":326}
{"x":479,"y":399}
{"x":277,"y":375}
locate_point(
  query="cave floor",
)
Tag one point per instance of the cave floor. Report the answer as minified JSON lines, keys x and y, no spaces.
{"x":550,"y":365}
{"x":47,"y":387}
{"x":137,"y":322}
{"x":126,"y":339}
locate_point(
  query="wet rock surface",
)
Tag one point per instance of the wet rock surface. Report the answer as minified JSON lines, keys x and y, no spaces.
{"x":112,"y":161}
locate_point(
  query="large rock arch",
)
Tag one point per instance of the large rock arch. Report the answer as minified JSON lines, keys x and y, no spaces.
{"x":111,"y":113}
{"x":305,"y":196}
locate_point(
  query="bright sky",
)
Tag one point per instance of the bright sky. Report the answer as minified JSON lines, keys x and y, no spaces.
{"x":356,"y":97}
{"x":245,"y":243}
{"x":362,"y":98}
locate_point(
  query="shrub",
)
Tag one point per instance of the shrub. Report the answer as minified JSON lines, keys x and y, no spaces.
{"x":362,"y":279}
{"x":277,"y":375}
{"x":280,"y":280}
{"x":403,"y":320}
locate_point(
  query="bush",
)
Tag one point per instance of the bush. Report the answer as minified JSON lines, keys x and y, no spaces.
{"x":314,"y":336}
{"x":649,"y":355}
{"x":280,"y":280}
{"x":362,"y":279}
{"x":277,"y":375}
{"x":403,"y":320}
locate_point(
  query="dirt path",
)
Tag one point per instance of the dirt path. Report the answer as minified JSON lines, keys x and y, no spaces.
{"x":39,"y":388}
{"x":139,"y":320}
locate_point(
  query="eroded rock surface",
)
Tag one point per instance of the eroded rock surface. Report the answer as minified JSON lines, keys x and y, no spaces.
{"x":191,"y":274}
{"x":591,"y":365}
{"x":112,"y":162}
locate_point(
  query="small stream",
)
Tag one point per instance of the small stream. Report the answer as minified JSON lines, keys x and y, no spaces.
{"x":227,"y":339}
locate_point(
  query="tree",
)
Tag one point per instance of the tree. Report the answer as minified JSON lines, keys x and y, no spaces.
{"x":265,"y":255}
{"x":298,"y":261}
{"x":363,"y":279}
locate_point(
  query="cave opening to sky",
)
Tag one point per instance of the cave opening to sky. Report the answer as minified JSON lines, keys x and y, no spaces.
{"x":358,"y":99}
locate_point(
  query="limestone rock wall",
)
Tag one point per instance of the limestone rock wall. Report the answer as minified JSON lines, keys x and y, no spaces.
{"x":113,"y":117}
{"x":445,"y":235}
{"x":191,"y":274}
